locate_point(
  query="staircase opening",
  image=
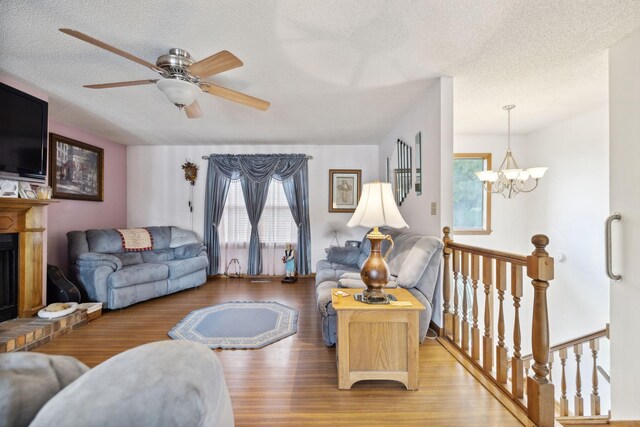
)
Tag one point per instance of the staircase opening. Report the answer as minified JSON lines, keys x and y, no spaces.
{"x":8,"y":276}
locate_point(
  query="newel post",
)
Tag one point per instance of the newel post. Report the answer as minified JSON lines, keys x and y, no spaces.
{"x":447,"y":327}
{"x":540,"y":399}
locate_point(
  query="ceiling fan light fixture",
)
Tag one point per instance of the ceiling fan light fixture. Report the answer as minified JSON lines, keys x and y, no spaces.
{"x":179,"y":92}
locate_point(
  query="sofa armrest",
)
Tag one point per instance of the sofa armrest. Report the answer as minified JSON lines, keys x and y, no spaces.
{"x":95,"y":259}
{"x":191,"y":250}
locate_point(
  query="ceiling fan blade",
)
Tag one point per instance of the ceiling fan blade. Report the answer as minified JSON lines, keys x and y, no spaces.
{"x":234,"y":96}
{"x":121,"y":84}
{"x":221,"y":61}
{"x":103,"y":45}
{"x":193,"y":111}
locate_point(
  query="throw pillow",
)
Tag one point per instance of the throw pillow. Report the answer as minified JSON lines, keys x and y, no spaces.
{"x":342,"y":255}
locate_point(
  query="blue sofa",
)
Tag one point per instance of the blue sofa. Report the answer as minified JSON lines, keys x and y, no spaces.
{"x":414,"y":264}
{"x":105,"y":272}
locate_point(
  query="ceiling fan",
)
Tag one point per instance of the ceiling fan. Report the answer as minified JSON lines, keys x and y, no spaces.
{"x":182,"y":78}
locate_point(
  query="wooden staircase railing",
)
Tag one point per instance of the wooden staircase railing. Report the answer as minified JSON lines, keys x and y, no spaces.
{"x":468,"y":267}
{"x":576,"y":345}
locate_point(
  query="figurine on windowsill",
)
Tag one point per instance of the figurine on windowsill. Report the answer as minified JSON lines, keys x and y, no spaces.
{"x":289,"y":261}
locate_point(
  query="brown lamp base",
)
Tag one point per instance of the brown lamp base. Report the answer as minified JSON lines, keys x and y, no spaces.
{"x":375,"y":272}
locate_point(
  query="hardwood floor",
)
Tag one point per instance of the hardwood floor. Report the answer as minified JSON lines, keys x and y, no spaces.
{"x":293,"y":382}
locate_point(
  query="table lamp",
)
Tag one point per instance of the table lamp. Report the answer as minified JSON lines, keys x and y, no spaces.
{"x":376,"y":208}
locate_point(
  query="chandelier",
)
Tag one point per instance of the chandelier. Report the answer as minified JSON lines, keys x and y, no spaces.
{"x":510,"y":180}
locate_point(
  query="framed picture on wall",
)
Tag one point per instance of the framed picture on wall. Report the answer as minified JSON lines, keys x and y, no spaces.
{"x":344,"y":189}
{"x":76,"y":169}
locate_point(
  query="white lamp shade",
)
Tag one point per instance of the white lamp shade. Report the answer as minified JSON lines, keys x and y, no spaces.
{"x":537,"y":173}
{"x":524,"y":175}
{"x":511,"y":173}
{"x":377,"y":208}
{"x":179,"y":92}
{"x":493,"y":176}
{"x":483,"y":175}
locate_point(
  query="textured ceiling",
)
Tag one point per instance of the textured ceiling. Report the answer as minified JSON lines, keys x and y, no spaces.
{"x":341,"y":71}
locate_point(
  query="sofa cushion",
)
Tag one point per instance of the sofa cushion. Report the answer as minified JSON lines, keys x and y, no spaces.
{"x":161,"y":236}
{"x":106,"y":241}
{"x":158,"y":255}
{"x":417,"y":261}
{"x":343,"y":255}
{"x":180,"y":237}
{"x":182,"y":267}
{"x":139,"y":273}
{"x":189,"y":250}
{"x":28,"y":380}
{"x":130,"y":258}
{"x":403,"y":246}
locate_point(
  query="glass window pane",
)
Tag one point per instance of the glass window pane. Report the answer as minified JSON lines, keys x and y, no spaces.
{"x":468,"y":194}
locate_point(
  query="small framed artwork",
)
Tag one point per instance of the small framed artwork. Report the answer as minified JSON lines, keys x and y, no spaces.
{"x":76,"y":169}
{"x":344,"y":189}
{"x":8,"y":188}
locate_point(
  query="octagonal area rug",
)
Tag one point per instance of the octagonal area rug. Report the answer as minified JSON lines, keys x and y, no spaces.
{"x":240,"y":325}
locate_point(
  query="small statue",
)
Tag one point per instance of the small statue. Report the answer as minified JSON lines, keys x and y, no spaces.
{"x":289,"y":260}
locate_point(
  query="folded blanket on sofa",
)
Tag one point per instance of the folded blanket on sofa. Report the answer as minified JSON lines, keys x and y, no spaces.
{"x":135,"y":239}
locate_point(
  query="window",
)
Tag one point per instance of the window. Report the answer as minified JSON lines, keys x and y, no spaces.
{"x":471,"y":203}
{"x":276,"y":228}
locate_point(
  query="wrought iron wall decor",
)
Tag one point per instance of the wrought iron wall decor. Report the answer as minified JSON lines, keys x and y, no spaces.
{"x":403,"y":174}
{"x":418,"y":186}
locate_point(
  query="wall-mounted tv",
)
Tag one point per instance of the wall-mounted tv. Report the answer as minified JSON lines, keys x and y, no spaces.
{"x":23,"y":134}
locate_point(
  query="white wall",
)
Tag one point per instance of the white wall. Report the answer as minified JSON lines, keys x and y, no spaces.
{"x":624,"y":111}
{"x":570,"y":206}
{"x":157,"y":193}
{"x":433,"y":117}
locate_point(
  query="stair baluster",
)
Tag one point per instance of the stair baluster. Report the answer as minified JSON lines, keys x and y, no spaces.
{"x":564,"y":402}
{"x":517,"y":378}
{"x":475,"y":331}
{"x":501,"y":350}
{"x":594,"y":345}
{"x":456,"y":308}
{"x":487,"y":339}
{"x":578,"y":402}
{"x":465,"y":302}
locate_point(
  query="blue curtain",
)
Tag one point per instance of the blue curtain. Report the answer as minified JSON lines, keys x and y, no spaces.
{"x":255,"y":196}
{"x":215,"y":198}
{"x":296,"y":190}
{"x":255,"y":172}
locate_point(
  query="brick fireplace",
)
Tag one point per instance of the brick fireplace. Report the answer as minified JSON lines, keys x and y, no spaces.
{"x":25,"y":219}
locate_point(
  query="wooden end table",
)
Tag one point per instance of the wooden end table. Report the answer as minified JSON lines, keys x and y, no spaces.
{"x":377,"y":341}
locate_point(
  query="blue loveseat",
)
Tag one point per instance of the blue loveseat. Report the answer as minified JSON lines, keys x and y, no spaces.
{"x":107,"y":273}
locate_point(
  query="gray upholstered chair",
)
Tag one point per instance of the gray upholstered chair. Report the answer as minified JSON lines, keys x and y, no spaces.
{"x":162,"y":384}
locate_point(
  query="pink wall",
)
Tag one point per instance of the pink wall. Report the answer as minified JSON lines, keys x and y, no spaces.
{"x":68,"y":215}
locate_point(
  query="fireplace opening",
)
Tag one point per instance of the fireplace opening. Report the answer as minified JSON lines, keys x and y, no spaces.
{"x":8,"y":276}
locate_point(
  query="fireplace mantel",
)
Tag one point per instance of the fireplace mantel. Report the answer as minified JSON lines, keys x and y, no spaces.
{"x":27,"y":218}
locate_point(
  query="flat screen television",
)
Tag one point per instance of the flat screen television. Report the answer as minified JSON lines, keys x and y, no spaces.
{"x":23,"y":134}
